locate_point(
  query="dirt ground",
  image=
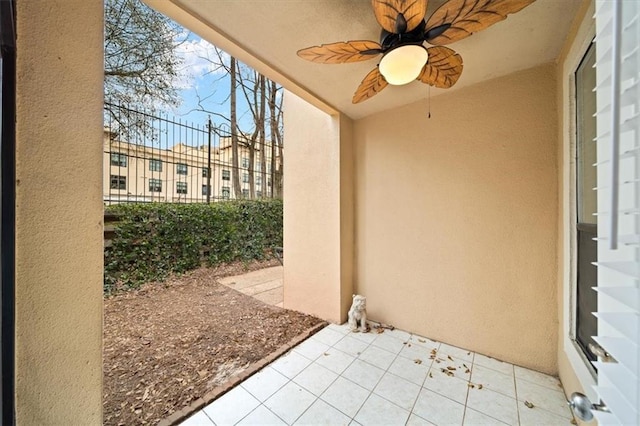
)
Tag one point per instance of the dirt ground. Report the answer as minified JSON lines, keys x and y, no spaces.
{"x":169,"y":343}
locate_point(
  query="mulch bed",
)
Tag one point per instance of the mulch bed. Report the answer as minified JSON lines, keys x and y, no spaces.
{"x":168,"y":344}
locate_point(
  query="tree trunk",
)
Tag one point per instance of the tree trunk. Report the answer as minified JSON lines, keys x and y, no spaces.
{"x":237,"y":190}
{"x":273,"y":122}
{"x":262,"y":144}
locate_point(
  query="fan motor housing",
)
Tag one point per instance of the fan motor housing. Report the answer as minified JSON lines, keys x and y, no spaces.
{"x":390,"y":41}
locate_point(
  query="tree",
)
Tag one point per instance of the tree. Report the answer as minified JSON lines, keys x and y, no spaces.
{"x":235,"y":171}
{"x":259,"y":93}
{"x":140,"y":60}
{"x":275,"y":124}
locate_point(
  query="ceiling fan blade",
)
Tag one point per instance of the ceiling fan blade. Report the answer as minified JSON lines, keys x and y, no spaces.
{"x":443,"y":69}
{"x":371,"y":85}
{"x":388,"y":14}
{"x":458,"y":19}
{"x":341,"y":52}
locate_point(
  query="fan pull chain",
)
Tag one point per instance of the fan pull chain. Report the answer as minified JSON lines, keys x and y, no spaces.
{"x":429,"y":101}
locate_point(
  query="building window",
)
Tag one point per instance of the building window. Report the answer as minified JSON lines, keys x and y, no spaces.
{"x":245,"y":177}
{"x":155,"y":185}
{"x":245,"y":162}
{"x":205,"y":172}
{"x":245,"y":192}
{"x":181,"y":169}
{"x":269,"y":182}
{"x":226,"y":175}
{"x":258,"y":180}
{"x":118,"y":182}
{"x":155,"y":165}
{"x":259,"y":194}
{"x":206,"y":189}
{"x":226,"y":192}
{"x":118,"y":159}
{"x":258,"y":167}
{"x":269,"y":168}
{"x":181,"y":187}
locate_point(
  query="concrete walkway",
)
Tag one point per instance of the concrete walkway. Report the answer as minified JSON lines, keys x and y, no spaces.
{"x":264,"y":284}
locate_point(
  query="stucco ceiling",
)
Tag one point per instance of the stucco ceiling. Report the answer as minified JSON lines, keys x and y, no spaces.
{"x":272,"y":32}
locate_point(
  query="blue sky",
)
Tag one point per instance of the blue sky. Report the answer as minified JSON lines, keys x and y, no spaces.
{"x":205,"y":85}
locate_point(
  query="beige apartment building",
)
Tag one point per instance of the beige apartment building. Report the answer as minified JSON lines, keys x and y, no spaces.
{"x":180,"y":174}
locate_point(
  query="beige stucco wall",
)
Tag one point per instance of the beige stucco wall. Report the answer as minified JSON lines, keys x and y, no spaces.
{"x":59,"y":213}
{"x":318,"y":211}
{"x":456,"y":217}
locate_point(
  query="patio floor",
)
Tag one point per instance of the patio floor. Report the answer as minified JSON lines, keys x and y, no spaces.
{"x":337,"y":378}
{"x":263,"y":284}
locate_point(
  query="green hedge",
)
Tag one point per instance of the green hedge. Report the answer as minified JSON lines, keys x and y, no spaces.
{"x":154,"y":240}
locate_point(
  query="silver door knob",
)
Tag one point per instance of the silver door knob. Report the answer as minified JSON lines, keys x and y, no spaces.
{"x":582,"y":407}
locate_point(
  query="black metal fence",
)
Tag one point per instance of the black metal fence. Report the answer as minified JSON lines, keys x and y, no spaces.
{"x":156,"y":158}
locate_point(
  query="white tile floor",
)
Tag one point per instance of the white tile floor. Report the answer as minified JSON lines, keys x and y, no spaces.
{"x":340,"y":378}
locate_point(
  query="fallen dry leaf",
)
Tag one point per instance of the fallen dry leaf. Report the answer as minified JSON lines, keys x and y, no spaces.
{"x":430,"y":375}
{"x":422,"y":341}
{"x":417,"y":361}
{"x":528,"y":404}
{"x":471,"y":385}
{"x":573,"y":422}
{"x":479,"y":386}
{"x":449,"y":358}
{"x":451,"y":368}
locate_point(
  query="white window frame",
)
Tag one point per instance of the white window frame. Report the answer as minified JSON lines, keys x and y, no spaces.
{"x":583,"y":369}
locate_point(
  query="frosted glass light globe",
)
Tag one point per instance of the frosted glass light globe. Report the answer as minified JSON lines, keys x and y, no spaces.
{"x":403,"y":64}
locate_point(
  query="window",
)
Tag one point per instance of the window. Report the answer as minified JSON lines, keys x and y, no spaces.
{"x":181,"y":169}
{"x":206,"y":189}
{"x":259,"y":194}
{"x":226,"y":192}
{"x":258,"y":167}
{"x":155,"y":185}
{"x":245,"y":177}
{"x":155,"y":165}
{"x":245,"y":162}
{"x":245,"y":192}
{"x":586,"y":232}
{"x":226,"y":175}
{"x":258,"y":180}
{"x":205,"y":172}
{"x":118,"y":159}
{"x":181,"y":187}
{"x":118,"y":182}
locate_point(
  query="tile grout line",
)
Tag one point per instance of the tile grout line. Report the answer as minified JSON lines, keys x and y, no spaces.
{"x":339,"y":375}
{"x":515,"y":386}
{"x":289,"y":380}
{"x":334,"y":380}
{"x":466,"y":398}
{"x":371,"y":392}
{"x":423,"y":382}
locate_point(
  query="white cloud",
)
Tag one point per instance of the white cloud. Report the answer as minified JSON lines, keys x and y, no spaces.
{"x":199,"y":58}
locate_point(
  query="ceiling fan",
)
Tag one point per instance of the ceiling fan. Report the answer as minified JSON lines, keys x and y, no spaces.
{"x":404,"y":32}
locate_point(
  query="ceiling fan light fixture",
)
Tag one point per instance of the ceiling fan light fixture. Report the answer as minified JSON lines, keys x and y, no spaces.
{"x":403,"y":64}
